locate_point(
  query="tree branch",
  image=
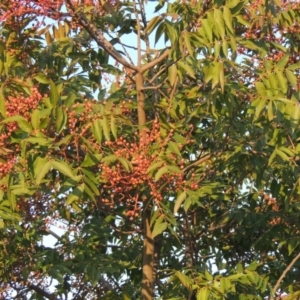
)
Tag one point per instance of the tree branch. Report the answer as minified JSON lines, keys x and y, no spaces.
{"x":287,"y":269}
{"x":53,"y":233}
{"x":99,"y":38}
{"x":155,"y":61}
{"x":197,"y":162}
{"x":41,"y":292}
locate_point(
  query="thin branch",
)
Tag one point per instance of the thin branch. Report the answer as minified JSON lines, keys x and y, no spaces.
{"x":287,"y":269}
{"x":174,"y":88}
{"x":163,"y":94}
{"x":148,"y":51}
{"x":139,"y":47}
{"x":124,"y":48}
{"x":105,"y":284}
{"x":291,"y":141}
{"x":41,"y":292}
{"x":155,"y":61}
{"x":99,"y":38}
{"x":164,"y":69}
{"x":156,"y":87}
{"x":53,"y":233}
{"x":197,"y":162}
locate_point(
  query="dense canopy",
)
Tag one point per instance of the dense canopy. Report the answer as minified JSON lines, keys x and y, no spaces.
{"x":161,"y":138}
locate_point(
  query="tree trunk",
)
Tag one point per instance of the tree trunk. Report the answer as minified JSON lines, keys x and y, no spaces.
{"x":148,"y":257}
{"x":148,"y":247}
{"x":188,"y":250}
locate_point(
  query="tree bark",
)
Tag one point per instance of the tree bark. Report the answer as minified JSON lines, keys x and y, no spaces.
{"x":148,"y":257}
{"x":42,"y":292}
{"x":148,"y":246}
{"x":188,"y":250}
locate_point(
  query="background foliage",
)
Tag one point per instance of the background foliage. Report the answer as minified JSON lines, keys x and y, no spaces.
{"x":198,"y":140}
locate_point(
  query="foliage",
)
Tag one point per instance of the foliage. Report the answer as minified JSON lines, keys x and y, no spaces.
{"x":176,"y":177}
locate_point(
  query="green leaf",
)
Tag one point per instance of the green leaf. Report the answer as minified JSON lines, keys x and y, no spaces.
{"x":216,"y":74}
{"x":91,"y":185}
{"x":219,"y":22}
{"x":207,"y":26}
{"x":261,"y":105}
{"x":225,"y":48}
{"x":161,"y":29}
{"x":62,"y":168}
{"x":25,"y":126}
{"x":172,"y":74}
{"x":292,"y":244}
{"x":282,"y":62}
{"x":2,"y":102}
{"x":294,"y":67}
{"x":53,"y":93}
{"x":35,"y":119}
{"x":232,"y":3}
{"x":282,"y":154}
{"x":126,"y":164}
{"x":23,"y":191}
{"x":38,"y":140}
{"x":41,"y":169}
{"x":208,"y":276}
{"x":89,"y":192}
{"x":61,"y":119}
{"x":174,"y":148}
{"x":270,"y":111}
{"x":75,"y":194}
{"x":153,"y":23}
{"x":291,"y":78}
{"x":97,"y":130}
{"x":113,"y":126}
{"x":222,"y":78}
{"x":154,"y":166}
{"x":209,"y":72}
{"x":187,"y":42}
{"x":271,"y":158}
{"x":295,"y":117}
{"x":187,"y":68}
{"x":228,"y":18}
{"x":185,"y":280}
{"x":282,"y":80}
{"x":42,"y":78}
{"x":161,"y":172}
{"x":106,"y":129}
{"x":159,"y":227}
{"x":179,"y":201}
{"x":261,"y":89}
{"x":217,"y":49}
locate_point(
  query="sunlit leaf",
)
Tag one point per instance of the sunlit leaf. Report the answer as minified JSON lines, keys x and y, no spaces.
{"x":179,"y":201}
{"x":62,"y":167}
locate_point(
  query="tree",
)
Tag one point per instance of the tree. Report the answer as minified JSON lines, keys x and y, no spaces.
{"x":175,"y":177}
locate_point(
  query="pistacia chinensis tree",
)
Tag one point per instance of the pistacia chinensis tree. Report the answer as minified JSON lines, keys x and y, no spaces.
{"x":162,"y":138}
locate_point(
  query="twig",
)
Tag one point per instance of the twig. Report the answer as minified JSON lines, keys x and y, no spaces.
{"x":197,"y":162}
{"x":138,"y":25}
{"x":53,"y":233}
{"x":154,"y":62}
{"x":99,"y":38}
{"x":156,"y":87}
{"x":287,"y":269}
{"x":164,"y":69}
{"x":42,"y":292}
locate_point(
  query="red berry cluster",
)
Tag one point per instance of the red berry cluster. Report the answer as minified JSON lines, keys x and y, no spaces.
{"x":21,"y":105}
{"x":128,"y":181}
{"x":80,"y":113}
{"x":11,"y":9}
{"x":269,"y":202}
